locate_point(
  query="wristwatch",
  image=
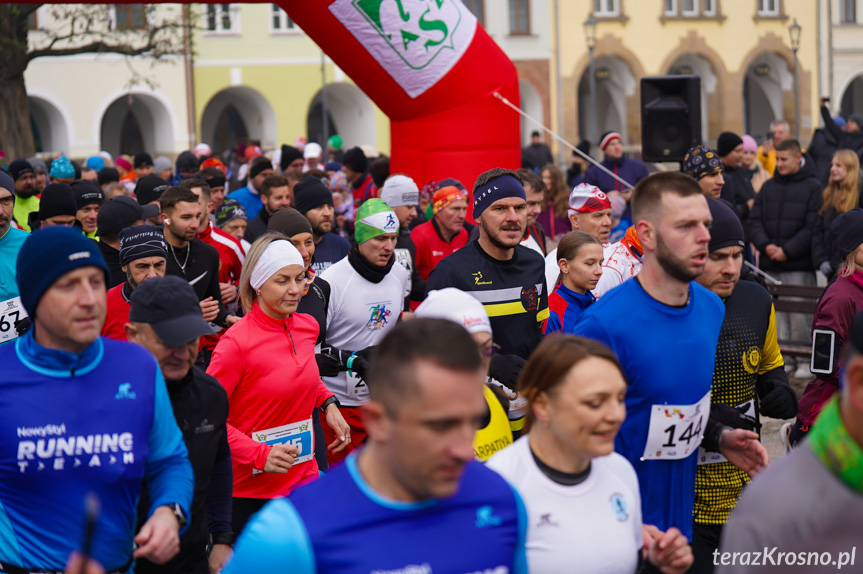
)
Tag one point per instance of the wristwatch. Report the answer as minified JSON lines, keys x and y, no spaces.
{"x":330,"y":401}
{"x":226,"y":538}
{"x":178,"y":512}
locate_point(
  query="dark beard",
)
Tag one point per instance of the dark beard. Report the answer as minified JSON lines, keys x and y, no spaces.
{"x":130,"y":280}
{"x":671,"y":264}
{"x":319,"y":232}
{"x":493,"y":239}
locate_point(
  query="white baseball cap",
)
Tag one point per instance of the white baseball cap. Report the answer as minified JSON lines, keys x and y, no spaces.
{"x":312,"y":149}
{"x":457,"y":306}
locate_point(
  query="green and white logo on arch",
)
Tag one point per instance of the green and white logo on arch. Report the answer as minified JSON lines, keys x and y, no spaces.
{"x":416,"y":41}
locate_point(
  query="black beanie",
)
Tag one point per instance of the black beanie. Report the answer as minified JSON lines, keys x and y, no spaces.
{"x":57,"y":199}
{"x":356,"y":160}
{"x":289,"y":221}
{"x":87,"y":193}
{"x":847,"y":232}
{"x":726,"y":229}
{"x":310,"y":194}
{"x":289,"y":155}
{"x":187,"y":161}
{"x":20,"y":167}
{"x":143,"y":159}
{"x":258,"y":167}
{"x":108,"y":175}
{"x":726,"y":142}
{"x":150,"y":188}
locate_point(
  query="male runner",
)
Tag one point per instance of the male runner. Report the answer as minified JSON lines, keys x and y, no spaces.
{"x":82,"y":416}
{"x":664,"y":329}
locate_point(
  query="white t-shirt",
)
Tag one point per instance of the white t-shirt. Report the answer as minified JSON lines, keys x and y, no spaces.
{"x":594,"y":526}
{"x":532,"y":243}
{"x":359,"y":315}
{"x":619,"y":265}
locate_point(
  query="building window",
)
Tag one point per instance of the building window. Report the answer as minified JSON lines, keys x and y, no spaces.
{"x":690,"y":8}
{"x":519,"y":17}
{"x":33,"y":21}
{"x":478,"y":9}
{"x":671,"y":7}
{"x":768,"y":7}
{"x":280,"y":21}
{"x":848,"y":11}
{"x":223,"y":18}
{"x":606,"y":8}
{"x":130,"y":16}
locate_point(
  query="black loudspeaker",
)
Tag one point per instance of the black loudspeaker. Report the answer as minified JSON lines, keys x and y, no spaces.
{"x":670,"y":116}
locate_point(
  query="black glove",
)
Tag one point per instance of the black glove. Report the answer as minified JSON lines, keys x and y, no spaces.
{"x":328,"y":365}
{"x":358,"y":366}
{"x":733,"y":417}
{"x":780,"y":403}
{"x":505,"y":370}
{"x":22,"y":326}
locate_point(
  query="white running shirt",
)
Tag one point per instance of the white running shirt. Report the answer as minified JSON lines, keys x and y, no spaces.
{"x":592,"y":527}
{"x":359,"y":315}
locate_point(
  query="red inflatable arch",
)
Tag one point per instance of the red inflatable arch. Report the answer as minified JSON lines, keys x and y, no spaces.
{"x":433,"y":70}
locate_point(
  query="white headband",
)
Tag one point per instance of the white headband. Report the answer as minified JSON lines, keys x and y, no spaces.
{"x":278,"y":254}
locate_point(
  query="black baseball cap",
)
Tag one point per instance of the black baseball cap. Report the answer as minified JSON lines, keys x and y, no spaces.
{"x":121,"y":212}
{"x":169,"y":305}
{"x":150,"y":188}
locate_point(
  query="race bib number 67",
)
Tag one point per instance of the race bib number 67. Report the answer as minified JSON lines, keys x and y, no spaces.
{"x":676,"y":431}
{"x":11,"y":311}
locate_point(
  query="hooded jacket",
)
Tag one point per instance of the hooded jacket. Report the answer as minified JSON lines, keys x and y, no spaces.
{"x":784,"y":214}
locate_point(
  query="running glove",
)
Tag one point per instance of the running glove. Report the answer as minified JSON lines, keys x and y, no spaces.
{"x":328,"y":365}
{"x":505,"y":369}
{"x":779,"y":402}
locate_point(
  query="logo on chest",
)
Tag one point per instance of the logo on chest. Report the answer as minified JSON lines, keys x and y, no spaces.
{"x":204,"y":427}
{"x":485,"y":517}
{"x":124,"y":391}
{"x":379,"y":316}
{"x":752,"y":360}
{"x":618,"y":505}
{"x":530,"y":298}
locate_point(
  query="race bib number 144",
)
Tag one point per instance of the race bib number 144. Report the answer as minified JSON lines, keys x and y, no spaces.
{"x":676,"y":431}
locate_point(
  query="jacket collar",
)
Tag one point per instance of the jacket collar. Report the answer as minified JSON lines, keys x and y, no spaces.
{"x":56,"y":363}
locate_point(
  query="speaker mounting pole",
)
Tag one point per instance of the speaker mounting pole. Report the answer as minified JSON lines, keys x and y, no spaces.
{"x":590,"y":39}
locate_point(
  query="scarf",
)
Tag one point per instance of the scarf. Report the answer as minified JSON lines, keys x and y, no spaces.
{"x":834,"y":447}
{"x":366,"y":270}
{"x":633,"y":243}
{"x":310,"y":278}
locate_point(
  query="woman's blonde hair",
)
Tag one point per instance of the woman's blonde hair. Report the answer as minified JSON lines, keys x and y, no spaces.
{"x":843,"y":195}
{"x":247,"y":293}
{"x":849,"y":265}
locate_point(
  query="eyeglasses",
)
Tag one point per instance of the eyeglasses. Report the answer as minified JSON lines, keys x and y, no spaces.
{"x":489,"y":350}
{"x":7,"y":201}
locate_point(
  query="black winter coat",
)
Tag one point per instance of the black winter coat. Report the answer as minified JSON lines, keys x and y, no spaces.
{"x":201,"y":410}
{"x":784,"y":214}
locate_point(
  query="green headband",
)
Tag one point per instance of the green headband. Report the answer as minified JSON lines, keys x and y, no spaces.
{"x":374,"y":218}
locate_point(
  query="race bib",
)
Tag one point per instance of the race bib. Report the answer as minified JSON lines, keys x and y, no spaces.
{"x":676,"y":431}
{"x":707,"y":457}
{"x":11,"y":311}
{"x":356,"y":387}
{"x":299,"y":434}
